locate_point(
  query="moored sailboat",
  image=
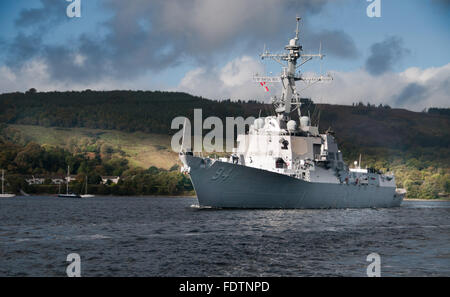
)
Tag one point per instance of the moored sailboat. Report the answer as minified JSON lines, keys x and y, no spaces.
{"x":86,"y":195}
{"x":68,"y":195}
{"x":3,"y":194}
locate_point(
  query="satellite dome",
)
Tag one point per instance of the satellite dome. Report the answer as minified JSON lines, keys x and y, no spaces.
{"x":291,"y":126}
{"x":305,"y":122}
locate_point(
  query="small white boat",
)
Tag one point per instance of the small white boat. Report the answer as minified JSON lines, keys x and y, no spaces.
{"x":71,"y":195}
{"x":3,"y":194}
{"x":7,"y":195}
{"x":86,"y":195}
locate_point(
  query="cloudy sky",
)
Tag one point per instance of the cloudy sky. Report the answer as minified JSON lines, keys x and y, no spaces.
{"x":210,"y":47}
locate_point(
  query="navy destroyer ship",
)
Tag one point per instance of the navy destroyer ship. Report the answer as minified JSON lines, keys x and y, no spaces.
{"x":283,"y":163}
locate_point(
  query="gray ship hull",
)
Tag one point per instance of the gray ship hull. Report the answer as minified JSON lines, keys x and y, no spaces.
{"x":228,"y":185}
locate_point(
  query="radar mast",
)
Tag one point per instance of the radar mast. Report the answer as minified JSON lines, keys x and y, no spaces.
{"x":289,"y":75}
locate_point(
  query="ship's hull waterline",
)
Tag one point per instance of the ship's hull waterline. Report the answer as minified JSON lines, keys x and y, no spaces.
{"x":228,"y":185}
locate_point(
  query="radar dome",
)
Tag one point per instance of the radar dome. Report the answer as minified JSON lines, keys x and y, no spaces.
{"x":291,"y":126}
{"x":259,"y":123}
{"x":305,"y":122}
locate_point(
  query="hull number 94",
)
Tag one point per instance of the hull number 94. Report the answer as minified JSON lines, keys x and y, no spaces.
{"x":222,"y":174}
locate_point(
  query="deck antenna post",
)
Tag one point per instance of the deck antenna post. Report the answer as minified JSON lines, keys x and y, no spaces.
{"x":67,"y":183}
{"x":318,"y":119}
{"x":321,"y":58}
{"x":297,"y":30}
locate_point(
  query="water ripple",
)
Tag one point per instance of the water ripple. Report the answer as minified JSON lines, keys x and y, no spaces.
{"x":135,"y":236}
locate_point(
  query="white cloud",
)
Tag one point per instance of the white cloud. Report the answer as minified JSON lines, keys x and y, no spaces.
{"x":413,"y":89}
{"x":30,"y":72}
{"x":35,"y":74}
{"x":234,"y":81}
{"x":389,"y":88}
{"x":79,"y":60}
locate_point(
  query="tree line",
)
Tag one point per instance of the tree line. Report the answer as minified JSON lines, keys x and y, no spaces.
{"x":21,"y":161}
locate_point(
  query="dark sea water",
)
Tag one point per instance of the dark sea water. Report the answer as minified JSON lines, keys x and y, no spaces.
{"x":139,"y":236}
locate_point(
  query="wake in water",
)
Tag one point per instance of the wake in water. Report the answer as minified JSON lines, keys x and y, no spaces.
{"x":196,"y":206}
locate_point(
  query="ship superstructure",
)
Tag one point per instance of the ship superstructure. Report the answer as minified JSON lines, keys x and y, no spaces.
{"x":284,"y":163}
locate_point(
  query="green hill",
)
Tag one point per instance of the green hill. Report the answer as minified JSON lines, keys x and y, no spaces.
{"x":152,"y":112}
{"x":139,"y":148}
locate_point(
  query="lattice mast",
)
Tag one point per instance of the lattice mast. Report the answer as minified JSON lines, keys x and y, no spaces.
{"x":288,"y":76}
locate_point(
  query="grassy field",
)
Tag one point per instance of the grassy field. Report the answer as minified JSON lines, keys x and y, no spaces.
{"x":141,"y":149}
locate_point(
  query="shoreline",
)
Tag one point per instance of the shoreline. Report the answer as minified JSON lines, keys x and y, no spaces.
{"x":142,"y":196}
{"x":194,"y":196}
{"x":432,"y":200}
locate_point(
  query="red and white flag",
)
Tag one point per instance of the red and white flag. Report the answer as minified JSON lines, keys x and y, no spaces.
{"x":263,"y":84}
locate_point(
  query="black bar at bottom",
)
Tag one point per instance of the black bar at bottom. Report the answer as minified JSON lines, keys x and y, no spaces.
{"x":215,"y":286}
